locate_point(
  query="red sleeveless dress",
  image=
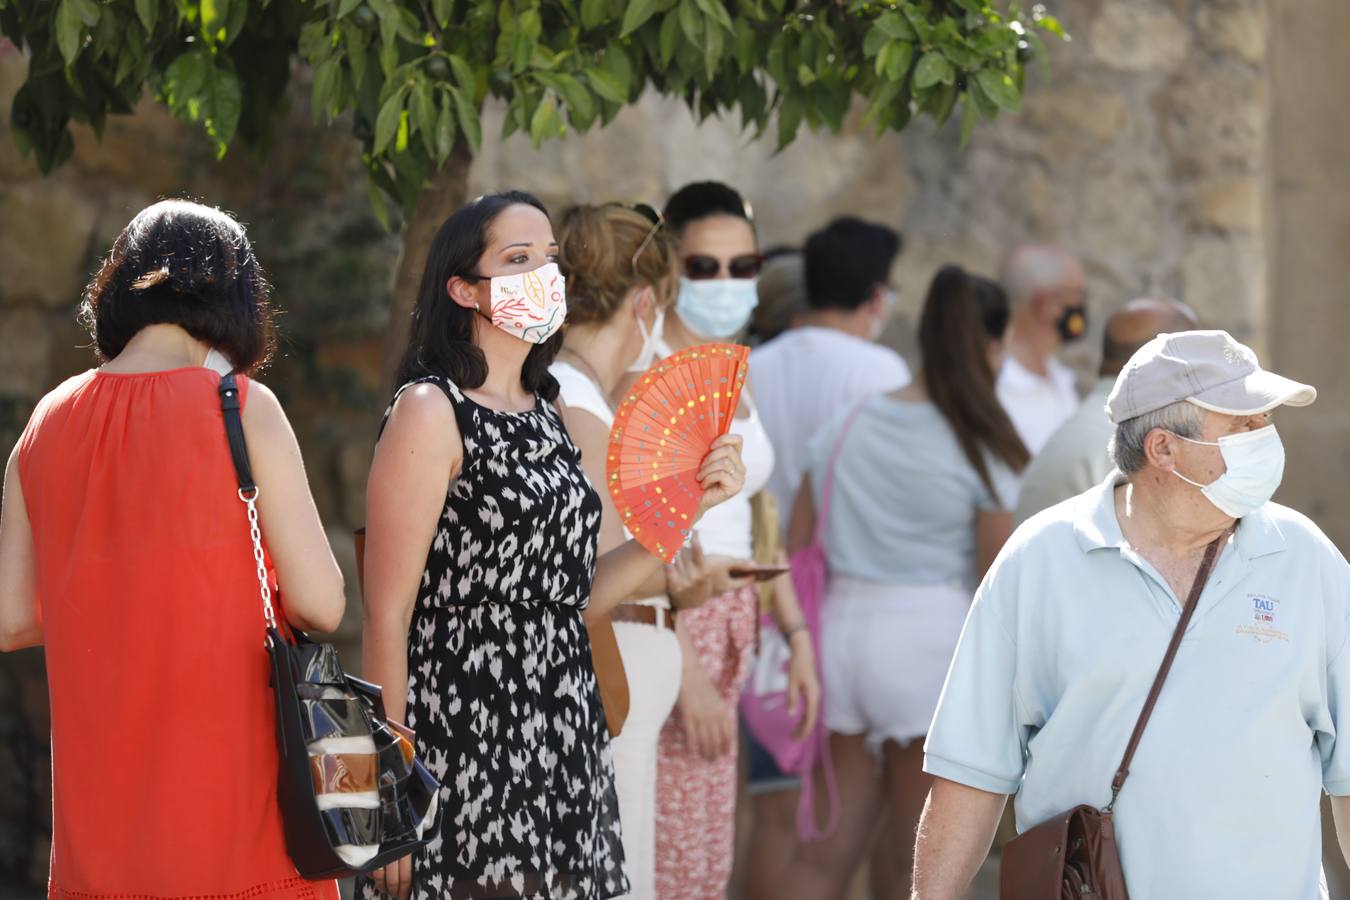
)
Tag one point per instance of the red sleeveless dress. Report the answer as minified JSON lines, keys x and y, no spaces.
{"x":164,"y":752}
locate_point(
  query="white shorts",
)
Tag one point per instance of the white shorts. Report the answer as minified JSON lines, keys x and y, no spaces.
{"x":885,"y":649}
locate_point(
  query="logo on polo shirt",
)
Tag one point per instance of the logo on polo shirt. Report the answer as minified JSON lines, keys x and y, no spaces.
{"x":1264,"y":612}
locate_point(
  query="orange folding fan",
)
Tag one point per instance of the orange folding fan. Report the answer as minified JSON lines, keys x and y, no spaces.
{"x":662,"y":431}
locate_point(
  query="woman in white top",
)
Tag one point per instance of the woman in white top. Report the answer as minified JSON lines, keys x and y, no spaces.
{"x":620,"y":267}
{"x":696,"y":769}
{"x":923,"y":485}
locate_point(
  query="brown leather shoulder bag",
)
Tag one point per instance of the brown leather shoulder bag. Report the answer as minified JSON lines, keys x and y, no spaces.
{"x":1073,"y":855}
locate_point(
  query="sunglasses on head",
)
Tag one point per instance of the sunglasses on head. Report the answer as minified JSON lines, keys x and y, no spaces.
{"x":651,"y":214}
{"x":701,"y":267}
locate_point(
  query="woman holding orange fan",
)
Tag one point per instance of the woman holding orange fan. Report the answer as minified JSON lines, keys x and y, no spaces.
{"x":696,"y":769}
{"x":480,"y":560}
{"x":620,"y":265}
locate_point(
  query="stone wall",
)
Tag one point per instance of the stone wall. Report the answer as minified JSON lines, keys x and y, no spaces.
{"x":1310,"y":241}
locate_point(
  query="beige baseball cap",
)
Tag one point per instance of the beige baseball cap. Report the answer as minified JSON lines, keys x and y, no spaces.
{"x":1208,"y":368}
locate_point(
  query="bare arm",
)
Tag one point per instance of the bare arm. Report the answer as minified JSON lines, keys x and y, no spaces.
{"x":20,"y":618}
{"x":311,"y":582}
{"x":802,"y":522}
{"x":1340,"y":814}
{"x":591,"y":436}
{"x":418,"y":455}
{"x":707,"y":727}
{"x":803,"y":682}
{"x":955,"y":833}
{"x":993,"y":527}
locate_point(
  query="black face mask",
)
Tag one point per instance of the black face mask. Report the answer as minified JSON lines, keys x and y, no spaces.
{"x":1073,"y":324}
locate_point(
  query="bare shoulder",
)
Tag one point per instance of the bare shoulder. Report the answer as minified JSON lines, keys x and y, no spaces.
{"x":586,"y":429}
{"x":422,"y":424}
{"x":422,"y":408}
{"x":262,"y":409}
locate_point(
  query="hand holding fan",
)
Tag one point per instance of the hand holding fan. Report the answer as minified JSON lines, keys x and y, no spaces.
{"x":663,"y":429}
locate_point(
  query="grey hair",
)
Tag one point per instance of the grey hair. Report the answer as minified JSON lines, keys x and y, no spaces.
{"x":1035,"y":267}
{"x":1182,"y":418}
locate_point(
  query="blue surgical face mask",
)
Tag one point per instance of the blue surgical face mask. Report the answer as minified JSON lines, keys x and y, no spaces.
{"x":717,"y":308}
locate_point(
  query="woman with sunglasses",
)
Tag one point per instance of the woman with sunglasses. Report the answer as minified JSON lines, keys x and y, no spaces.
{"x":696,"y":769}
{"x":923,"y":482}
{"x":480,"y":564}
{"x":621,"y":267}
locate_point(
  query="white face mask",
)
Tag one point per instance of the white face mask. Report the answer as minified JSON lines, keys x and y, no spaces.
{"x":1255,"y":461}
{"x":218,"y":361}
{"x":887,"y":305}
{"x":651,"y":341}
{"x":529,"y":305}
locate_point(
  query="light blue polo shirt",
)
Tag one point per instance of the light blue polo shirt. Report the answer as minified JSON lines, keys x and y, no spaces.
{"x":1061,"y":646}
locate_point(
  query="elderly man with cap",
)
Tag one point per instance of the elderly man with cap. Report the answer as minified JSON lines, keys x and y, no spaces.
{"x":1075,"y":458}
{"x":1071,"y":625}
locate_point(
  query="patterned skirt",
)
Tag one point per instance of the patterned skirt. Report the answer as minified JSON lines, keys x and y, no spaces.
{"x":504,"y":702}
{"x":696,"y":797}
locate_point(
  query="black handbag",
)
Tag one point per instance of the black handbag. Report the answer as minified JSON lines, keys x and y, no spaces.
{"x":354,"y":797}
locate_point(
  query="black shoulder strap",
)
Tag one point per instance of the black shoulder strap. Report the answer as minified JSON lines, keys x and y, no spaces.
{"x":234,"y":432}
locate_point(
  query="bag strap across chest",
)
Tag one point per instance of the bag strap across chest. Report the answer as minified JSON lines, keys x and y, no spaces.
{"x":1187,"y":611}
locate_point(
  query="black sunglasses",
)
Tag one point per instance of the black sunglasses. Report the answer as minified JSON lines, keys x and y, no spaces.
{"x":701,"y":267}
{"x":651,"y":214}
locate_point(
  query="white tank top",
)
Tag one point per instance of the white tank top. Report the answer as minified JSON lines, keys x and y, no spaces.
{"x":725,"y":529}
{"x":580,"y":392}
{"x":577,"y":391}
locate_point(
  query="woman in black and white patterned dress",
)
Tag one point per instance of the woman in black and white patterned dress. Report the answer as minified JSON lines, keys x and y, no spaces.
{"x":480,"y":557}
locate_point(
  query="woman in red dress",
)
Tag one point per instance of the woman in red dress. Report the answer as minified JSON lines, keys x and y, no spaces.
{"x":125,"y":552}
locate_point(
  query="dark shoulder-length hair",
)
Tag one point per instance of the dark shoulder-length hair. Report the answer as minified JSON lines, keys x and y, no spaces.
{"x":441,"y":340}
{"x":962,"y":314}
{"x":185,"y":264}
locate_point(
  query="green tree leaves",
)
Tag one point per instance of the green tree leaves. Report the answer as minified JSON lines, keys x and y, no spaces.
{"x":638,"y":12}
{"x":73,"y":18}
{"x":413,"y":75}
{"x":933,"y":68}
{"x":196,"y":89}
{"x":999,"y":88}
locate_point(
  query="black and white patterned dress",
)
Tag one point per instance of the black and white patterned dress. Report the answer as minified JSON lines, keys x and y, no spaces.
{"x":501,"y":689}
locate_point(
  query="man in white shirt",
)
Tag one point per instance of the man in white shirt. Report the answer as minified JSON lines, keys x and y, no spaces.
{"x":1066,"y":635}
{"x":1075,"y":458}
{"x":802,"y":378}
{"x":1049,"y":307}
